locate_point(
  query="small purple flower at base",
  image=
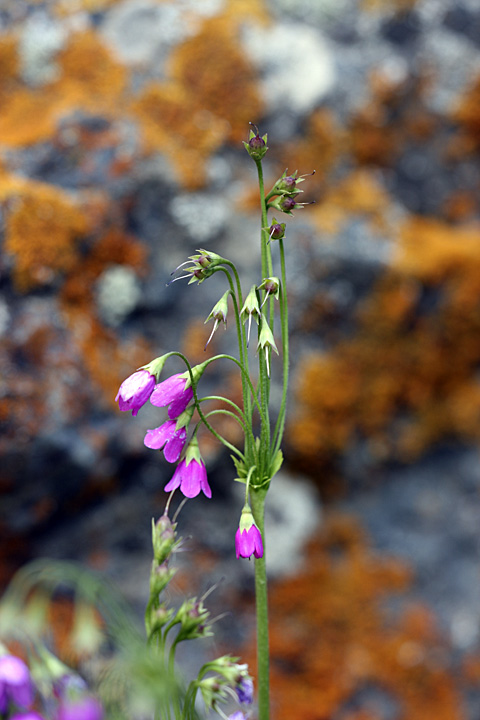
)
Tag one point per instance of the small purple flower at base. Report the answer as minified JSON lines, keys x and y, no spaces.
{"x":27,"y":716}
{"x":191,"y":478}
{"x":135,"y":391}
{"x":85,"y":707}
{"x":237,"y":716}
{"x":245,"y":690}
{"x":172,"y":392}
{"x":168,"y":439}
{"x":15,"y":682}
{"x":248,"y":538}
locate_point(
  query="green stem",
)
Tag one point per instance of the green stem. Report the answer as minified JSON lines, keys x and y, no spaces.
{"x":257,"y":497}
{"x":173,"y":682}
{"x":283,"y":301}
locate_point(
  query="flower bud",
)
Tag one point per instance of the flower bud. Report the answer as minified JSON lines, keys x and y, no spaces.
{"x":287,"y":203}
{"x":213,"y":691}
{"x":250,"y":309}
{"x":287,"y":184}
{"x":160,"y":576}
{"x":266,"y":341}
{"x":157,"y":618}
{"x":256,"y":145}
{"x":193,"y":618}
{"x":276,"y":230}
{"x":164,"y":539}
{"x":271,"y":285}
{"x":201,"y":267}
{"x":219,"y":314}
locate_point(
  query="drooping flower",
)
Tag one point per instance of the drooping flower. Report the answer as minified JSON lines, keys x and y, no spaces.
{"x":15,"y":683}
{"x":248,"y":538}
{"x":190,"y":475}
{"x":172,"y":392}
{"x":135,"y":391}
{"x":84,"y":707}
{"x":191,"y":478}
{"x":167,"y":438}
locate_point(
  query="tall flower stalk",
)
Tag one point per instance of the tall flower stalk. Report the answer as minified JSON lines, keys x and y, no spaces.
{"x":265,"y":306}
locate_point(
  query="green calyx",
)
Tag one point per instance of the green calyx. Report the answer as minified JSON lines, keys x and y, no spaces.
{"x":155,"y":367}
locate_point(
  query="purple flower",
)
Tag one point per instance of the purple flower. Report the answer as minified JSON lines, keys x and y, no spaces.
{"x":27,"y":716}
{"x":85,"y":707}
{"x":245,"y":690}
{"x":248,"y":538}
{"x":190,"y":477}
{"x":168,"y":439}
{"x":237,"y":716}
{"x":135,"y":391}
{"x":15,"y":682}
{"x":172,"y":392}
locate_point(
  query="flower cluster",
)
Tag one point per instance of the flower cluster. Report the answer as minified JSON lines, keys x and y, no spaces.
{"x":71,"y":700}
{"x":176,"y":394}
{"x":229,"y":680}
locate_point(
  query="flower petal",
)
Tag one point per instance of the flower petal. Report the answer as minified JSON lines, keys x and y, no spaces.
{"x":173,"y":448}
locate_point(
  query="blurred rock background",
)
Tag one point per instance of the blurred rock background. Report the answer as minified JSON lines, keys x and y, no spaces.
{"x":120,"y":155}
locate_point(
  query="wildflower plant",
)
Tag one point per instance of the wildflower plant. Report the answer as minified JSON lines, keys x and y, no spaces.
{"x":142,"y":679}
{"x":260,"y":457}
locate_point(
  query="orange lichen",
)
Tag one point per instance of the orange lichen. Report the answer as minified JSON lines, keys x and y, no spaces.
{"x":331,"y":637}
{"x":359,"y":193}
{"x":106,"y":361}
{"x":91,"y":77}
{"x":114,"y":247}
{"x":318,"y":149}
{"x":209,"y":98}
{"x":431,"y":250}
{"x":41,"y":231}
{"x":17,"y":127}
{"x":407,"y":378}
{"x":174,"y":123}
{"x":213,"y":68}
{"x":90,"y":80}
{"x":9,"y":65}
{"x":467,"y":115}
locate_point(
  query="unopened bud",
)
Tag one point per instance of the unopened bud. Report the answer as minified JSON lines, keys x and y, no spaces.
{"x":256,"y":145}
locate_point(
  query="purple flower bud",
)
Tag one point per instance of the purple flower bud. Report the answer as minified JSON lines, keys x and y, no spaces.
{"x":191,"y":478}
{"x":172,"y":392}
{"x":15,"y":682}
{"x":287,"y":204}
{"x":256,"y":145}
{"x":135,"y":391}
{"x":168,"y":439}
{"x":85,"y":707}
{"x":276,"y":230}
